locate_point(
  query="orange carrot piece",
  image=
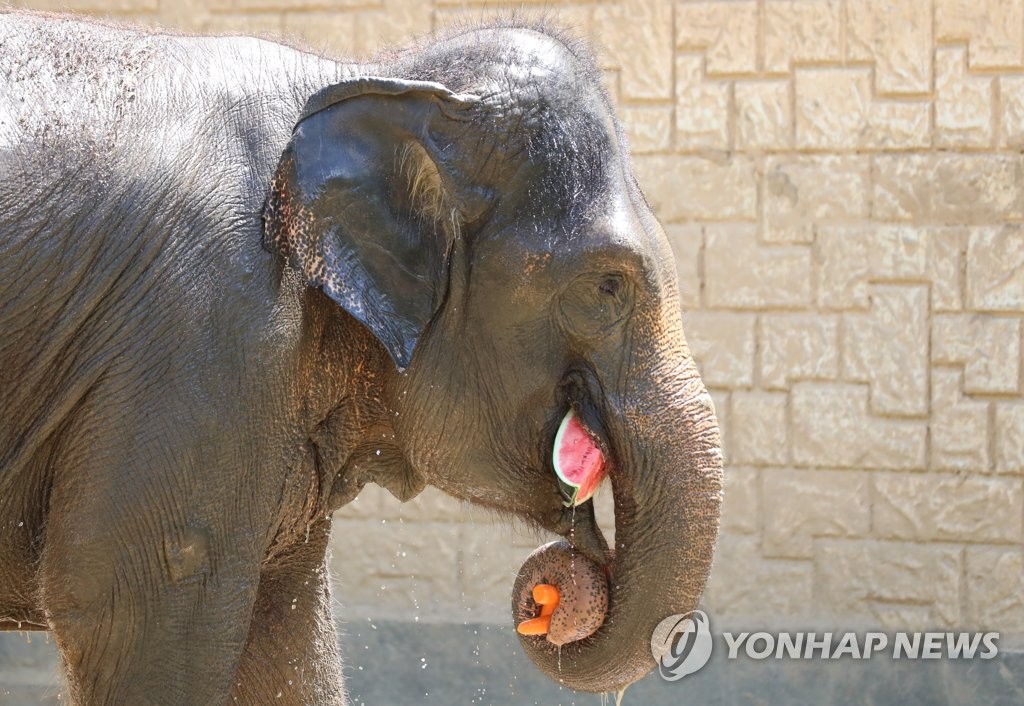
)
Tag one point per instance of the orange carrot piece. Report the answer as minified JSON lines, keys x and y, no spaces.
{"x":547,"y":597}
{"x":535,"y":626}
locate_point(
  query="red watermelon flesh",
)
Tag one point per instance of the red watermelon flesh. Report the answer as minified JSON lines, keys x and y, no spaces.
{"x":578,"y":461}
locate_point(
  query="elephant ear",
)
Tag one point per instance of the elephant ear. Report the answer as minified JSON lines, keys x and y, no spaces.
{"x":368,"y":198}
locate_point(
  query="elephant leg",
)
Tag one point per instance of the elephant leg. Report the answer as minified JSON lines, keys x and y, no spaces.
{"x":150,"y":563}
{"x":145,"y":616}
{"x":291,"y":656}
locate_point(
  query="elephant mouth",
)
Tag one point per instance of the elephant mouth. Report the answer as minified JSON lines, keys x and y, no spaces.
{"x":578,"y":460}
{"x":577,"y":522}
{"x":579,"y":393}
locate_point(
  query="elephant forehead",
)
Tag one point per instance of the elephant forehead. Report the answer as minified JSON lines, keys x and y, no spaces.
{"x":527,"y":79}
{"x":612,"y":237}
{"x":515,"y":48}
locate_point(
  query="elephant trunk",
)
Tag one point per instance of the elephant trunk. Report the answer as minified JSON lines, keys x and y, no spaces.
{"x":666,"y":475}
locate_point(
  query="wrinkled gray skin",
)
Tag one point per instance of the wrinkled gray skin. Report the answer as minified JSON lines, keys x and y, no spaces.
{"x":215,"y":332}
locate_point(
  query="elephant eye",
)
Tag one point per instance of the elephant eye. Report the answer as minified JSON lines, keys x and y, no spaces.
{"x":594,"y":303}
{"x":610,"y":285}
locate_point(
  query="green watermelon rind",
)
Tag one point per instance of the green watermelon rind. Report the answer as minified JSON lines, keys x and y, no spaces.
{"x":569,"y":492}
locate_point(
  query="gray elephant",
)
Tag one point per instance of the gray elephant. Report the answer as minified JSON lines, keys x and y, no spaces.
{"x":239,"y":281}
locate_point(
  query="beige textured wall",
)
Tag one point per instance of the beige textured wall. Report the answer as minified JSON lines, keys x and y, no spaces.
{"x":843,"y":185}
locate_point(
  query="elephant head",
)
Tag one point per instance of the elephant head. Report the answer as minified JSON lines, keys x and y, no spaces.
{"x":477,"y":213}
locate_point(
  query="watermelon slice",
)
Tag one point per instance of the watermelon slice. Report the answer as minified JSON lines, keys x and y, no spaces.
{"x":578,"y":461}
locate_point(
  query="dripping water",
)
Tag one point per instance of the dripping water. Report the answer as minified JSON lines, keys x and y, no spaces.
{"x":572,"y":574}
{"x":572,"y":540}
{"x":572,"y":570}
{"x":572,"y":555}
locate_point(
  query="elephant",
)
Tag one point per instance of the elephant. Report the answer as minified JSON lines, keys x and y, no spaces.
{"x":239,"y":281}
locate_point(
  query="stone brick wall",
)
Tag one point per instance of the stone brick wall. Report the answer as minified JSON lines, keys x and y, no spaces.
{"x":843,"y":184}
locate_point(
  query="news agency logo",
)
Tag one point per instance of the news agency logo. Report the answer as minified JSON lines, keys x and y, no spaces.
{"x":681,"y":644}
{"x":827,"y":645}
